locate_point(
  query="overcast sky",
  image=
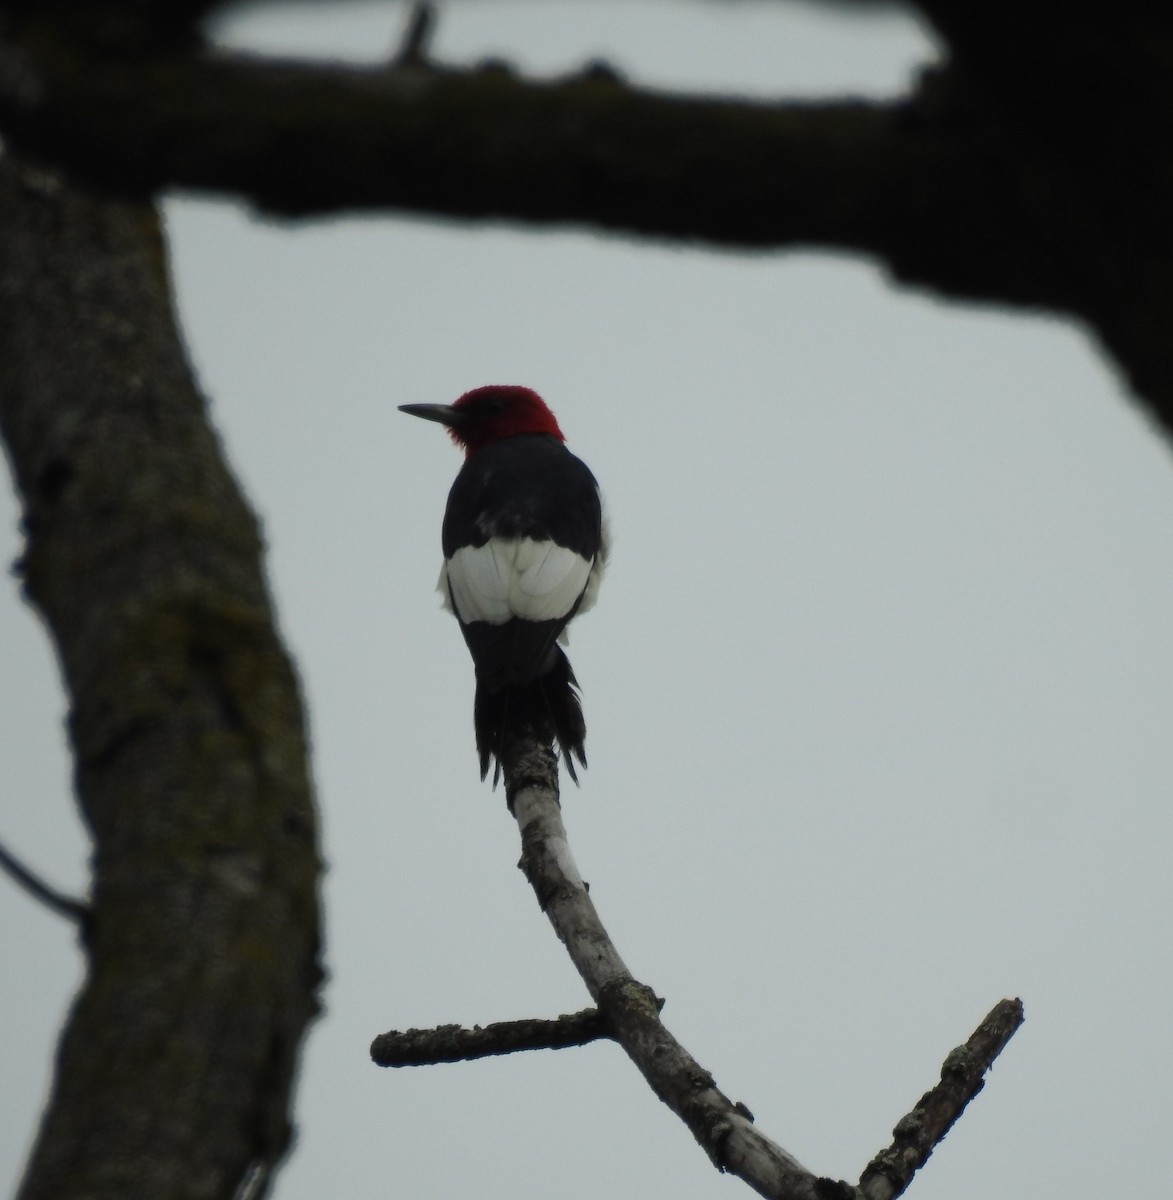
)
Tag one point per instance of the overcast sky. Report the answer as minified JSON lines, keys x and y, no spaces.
{"x":879,"y":688}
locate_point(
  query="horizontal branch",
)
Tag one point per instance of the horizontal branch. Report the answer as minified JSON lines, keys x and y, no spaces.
{"x":1002,"y":178}
{"x":454,"y":1043}
{"x":300,"y":139}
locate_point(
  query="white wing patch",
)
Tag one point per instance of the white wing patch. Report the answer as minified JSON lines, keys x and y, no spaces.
{"x":506,"y":578}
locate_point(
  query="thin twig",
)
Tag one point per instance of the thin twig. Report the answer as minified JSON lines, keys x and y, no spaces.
{"x":962,"y":1077}
{"x":413,"y":48}
{"x":454,"y":1043}
{"x":58,"y":902}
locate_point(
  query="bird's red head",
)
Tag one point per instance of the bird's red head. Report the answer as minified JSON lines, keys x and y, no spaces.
{"x":487,"y":414}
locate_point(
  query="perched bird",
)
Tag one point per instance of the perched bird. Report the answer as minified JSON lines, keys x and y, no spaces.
{"x":524,"y":550}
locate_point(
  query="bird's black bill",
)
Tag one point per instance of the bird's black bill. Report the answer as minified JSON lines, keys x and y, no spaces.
{"x":445,"y":414}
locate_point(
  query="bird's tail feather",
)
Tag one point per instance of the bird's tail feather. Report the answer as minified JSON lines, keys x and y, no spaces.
{"x":548,"y":705}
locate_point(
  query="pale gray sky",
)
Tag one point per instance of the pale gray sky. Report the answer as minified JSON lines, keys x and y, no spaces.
{"x":878,"y":690}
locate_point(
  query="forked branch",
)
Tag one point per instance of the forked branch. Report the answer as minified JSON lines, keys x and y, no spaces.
{"x":629,"y":1013}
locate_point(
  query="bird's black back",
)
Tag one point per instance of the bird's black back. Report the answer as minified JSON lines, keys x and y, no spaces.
{"x":529,"y":485}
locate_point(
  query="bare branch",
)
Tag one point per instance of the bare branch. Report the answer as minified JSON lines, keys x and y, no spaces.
{"x":50,"y":897}
{"x":454,"y":1043}
{"x":962,"y":1077}
{"x":1002,"y":177}
{"x":631,"y":1013}
{"x":990,"y":181}
{"x":590,"y":150}
{"x":722,"y":1127}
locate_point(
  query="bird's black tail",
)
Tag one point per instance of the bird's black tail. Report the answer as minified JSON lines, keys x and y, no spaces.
{"x":548,"y":705}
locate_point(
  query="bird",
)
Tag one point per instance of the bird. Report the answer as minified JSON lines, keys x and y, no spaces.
{"x":525,"y":545}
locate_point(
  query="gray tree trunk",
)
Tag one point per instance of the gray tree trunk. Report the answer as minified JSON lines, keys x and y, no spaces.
{"x":175,"y":1069}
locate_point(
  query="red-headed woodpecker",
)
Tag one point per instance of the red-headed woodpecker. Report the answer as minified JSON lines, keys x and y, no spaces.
{"x":524,"y":548}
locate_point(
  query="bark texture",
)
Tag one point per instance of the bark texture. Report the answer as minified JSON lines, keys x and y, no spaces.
{"x":629,"y":1012}
{"x":630,"y":1009}
{"x":453,"y":1043}
{"x":918,"y":1132}
{"x":175,"y":1070}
